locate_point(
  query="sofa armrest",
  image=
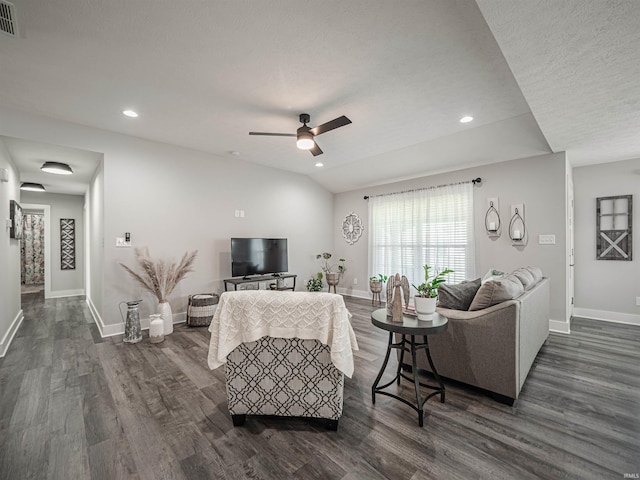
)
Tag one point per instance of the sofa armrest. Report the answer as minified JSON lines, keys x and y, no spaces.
{"x":480,"y":347}
{"x":469,"y":315}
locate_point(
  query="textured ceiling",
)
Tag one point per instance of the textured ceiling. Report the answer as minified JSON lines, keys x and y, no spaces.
{"x":577,"y":63}
{"x":204,"y":74}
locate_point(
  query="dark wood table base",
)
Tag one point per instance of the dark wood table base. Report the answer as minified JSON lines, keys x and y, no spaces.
{"x":412,"y":347}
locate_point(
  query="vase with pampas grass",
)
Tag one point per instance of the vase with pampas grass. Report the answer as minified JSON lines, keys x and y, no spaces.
{"x":160,"y":278}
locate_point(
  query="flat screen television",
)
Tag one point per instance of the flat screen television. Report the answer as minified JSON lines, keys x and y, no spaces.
{"x":258,"y":256}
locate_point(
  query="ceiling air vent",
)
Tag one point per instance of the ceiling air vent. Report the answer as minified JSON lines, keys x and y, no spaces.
{"x":8,"y":20}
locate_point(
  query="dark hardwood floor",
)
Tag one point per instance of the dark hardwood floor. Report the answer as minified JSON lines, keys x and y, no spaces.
{"x":75,"y":406}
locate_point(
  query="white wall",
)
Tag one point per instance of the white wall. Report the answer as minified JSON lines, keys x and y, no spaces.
{"x":538,"y":182}
{"x":63,"y":282}
{"x":94,"y":218}
{"x":10,"y":309}
{"x":605,"y":289}
{"x":173,"y":199}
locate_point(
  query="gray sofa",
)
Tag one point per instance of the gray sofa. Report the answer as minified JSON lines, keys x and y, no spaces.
{"x":493,"y":348}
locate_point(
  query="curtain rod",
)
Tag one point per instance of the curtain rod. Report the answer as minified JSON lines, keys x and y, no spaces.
{"x":474,"y":181}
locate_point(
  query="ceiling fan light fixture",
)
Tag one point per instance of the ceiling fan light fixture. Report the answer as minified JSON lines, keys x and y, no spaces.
{"x":305,"y":141}
{"x":32,"y":187}
{"x":57,"y":168}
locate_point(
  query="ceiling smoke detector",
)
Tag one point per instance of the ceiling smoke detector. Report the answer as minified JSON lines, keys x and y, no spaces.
{"x":8,"y":19}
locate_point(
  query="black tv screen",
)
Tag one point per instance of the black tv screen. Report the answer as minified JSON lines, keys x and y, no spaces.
{"x":258,"y":256}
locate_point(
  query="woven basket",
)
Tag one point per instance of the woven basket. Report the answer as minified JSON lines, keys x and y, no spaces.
{"x":201,"y":308}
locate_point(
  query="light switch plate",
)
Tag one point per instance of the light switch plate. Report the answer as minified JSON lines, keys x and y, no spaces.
{"x":121,"y":242}
{"x":547,"y":239}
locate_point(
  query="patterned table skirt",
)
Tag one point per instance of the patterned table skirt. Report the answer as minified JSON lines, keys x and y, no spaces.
{"x":284,"y":377}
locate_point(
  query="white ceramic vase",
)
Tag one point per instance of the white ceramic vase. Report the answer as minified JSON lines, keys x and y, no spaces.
{"x":425,"y":307}
{"x":164,"y":309}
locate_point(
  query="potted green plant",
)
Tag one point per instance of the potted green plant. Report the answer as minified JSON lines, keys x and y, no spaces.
{"x":375,"y":282}
{"x":426,"y":298}
{"x":315,"y":283}
{"x":332,"y":276}
{"x":375,"y":285}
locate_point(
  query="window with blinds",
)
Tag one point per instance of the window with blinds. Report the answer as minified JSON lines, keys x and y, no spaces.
{"x":432,"y":226}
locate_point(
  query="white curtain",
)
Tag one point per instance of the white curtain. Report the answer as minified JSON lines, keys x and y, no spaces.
{"x":432,"y":226}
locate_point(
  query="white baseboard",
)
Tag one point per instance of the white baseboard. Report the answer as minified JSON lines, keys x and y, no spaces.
{"x":96,"y":316}
{"x":352,"y":292}
{"x":118,"y":328}
{"x":8,"y":337}
{"x":558,"y":326}
{"x":605,"y":316}
{"x":66,"y":293}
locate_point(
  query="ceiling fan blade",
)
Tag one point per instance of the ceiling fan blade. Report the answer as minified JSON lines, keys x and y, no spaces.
{"x":274,"y":134}
{"x":315,"y":151}
{"x":333,"y":124}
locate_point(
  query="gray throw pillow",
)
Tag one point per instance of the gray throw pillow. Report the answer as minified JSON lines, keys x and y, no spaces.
{"x":525,"y":277}
{"x":458,"y":296}
{"x":497,"y":291}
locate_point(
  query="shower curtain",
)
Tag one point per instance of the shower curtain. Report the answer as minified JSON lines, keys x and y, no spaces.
{"x":32,"y":249}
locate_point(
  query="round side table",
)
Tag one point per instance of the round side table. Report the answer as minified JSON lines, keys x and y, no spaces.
{"x":409,"y":328}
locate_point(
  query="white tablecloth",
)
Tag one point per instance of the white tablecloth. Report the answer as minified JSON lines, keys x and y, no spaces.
{"x":246,"y":316}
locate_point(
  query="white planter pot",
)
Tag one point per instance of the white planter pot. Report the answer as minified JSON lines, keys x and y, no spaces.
{"x":425,"y":307}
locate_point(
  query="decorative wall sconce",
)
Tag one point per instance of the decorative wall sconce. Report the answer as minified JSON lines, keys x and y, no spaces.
{"x":517,"y":226}
{"x":492,"y":222}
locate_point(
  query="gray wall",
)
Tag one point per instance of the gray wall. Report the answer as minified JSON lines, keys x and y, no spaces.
{"x":10,"y":311}
{"x":605,"y":289}
{"x":63,"y":282}
{"x":173,"y":200}
{"x":538,"y":182}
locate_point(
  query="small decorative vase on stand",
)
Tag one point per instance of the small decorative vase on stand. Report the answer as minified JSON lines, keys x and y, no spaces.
{"x":132,"y":330}
{"x":164,"y":309}
{"x":156,"y":328}
{"x":376,"y":289}
{"x":332,"y":280}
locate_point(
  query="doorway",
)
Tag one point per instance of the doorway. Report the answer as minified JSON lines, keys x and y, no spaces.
{"x":32,"y":252}
{"x":35,"y":250}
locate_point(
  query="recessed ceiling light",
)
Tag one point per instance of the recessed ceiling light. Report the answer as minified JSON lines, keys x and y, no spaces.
{"x":57,"y":168}
{"x":319,"y":164}
{"x":235,"y":153}
{"x":466,"y":119}
{"x":130,"y":113}
{"x":32,"y":187}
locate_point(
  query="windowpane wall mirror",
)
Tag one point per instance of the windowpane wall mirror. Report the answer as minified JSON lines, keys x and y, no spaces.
{"x":613,"y":225}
